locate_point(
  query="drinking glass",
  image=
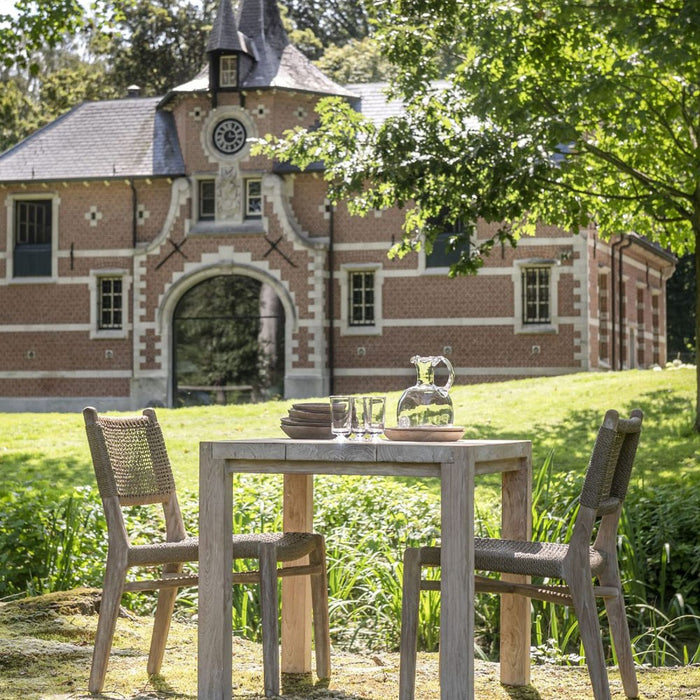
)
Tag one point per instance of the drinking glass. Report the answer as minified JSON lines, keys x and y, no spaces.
{"x":358,"y":429}
{"x":341,"y":416}
{"x":375,"y":409}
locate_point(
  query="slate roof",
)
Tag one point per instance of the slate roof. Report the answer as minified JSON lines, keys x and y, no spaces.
{"x":289,"y":71}
{"x":114,"y":138}
{"x":293,"y":71}
{"x":133,"y":138}
{"x":224,"y":35}
{"x":372,"y":100}
{"x":276,"y":63}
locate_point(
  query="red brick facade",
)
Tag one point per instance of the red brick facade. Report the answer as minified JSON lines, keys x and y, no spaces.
{"x":146,"y":231}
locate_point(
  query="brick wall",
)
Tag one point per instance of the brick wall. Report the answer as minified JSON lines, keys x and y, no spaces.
{"x":49,"y":347}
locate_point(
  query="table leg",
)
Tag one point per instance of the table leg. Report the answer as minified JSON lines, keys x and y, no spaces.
{"x":215,"y":577}
{"x":296,"y":591}
{"x":457,"y":574}
{"x":515,"y":610}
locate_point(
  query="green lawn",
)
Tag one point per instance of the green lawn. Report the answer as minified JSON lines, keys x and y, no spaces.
{"x":556,"y":413}
{"x":659,"y":532}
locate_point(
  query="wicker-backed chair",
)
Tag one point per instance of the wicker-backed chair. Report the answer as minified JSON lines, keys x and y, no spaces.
{"x":576,"y":564}
{"x":132,"y":468}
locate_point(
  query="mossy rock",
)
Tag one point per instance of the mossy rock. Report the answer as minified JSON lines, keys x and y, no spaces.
{"x":80,"y":601}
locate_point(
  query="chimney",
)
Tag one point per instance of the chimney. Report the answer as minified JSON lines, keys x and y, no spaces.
{"x":133,"y":91}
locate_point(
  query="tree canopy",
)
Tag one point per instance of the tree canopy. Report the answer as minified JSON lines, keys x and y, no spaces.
{"x":332,"y":22}
{"x":561,"y":111}
{"x":36,"y":26}
{"x":358,"y":61}
{"x":155,"y":44}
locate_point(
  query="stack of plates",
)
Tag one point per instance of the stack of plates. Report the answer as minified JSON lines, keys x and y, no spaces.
{"x":308,"y":421}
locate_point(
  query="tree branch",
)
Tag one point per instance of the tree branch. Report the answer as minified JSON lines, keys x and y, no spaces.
{"x":649,"y":182}
{"x":684,"y":214}
{"x":658,"y":116}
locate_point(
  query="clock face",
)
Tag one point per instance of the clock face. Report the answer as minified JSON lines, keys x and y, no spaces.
{"x":229,"y":136}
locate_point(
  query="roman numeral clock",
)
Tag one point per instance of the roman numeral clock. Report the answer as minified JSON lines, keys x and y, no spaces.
{"x":229,"y":136}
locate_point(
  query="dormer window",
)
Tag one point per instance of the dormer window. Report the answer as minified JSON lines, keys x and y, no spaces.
{"x":228,"y":71}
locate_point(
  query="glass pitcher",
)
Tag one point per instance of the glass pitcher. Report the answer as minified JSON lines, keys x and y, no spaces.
{"x":425,"y":403}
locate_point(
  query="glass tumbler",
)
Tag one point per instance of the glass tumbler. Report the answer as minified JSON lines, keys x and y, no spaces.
{"x":358,"y":430}
{"x":341,"y":417}
{"x":375,"y":410}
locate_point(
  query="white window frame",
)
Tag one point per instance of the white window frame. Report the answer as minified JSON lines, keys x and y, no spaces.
{"x":554,"y":267}
{"x":113,"y":308}
{"x":228,"y":75}
{"x":95,"y":294}
{"x":11,"y":204}
{"x":198,"y":198}
{"x":249,"y":213}
{"x":425,"y":269}
{"x":345,"y":273}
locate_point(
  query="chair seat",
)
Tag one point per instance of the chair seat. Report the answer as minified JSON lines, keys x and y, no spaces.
{"x":527,"y":558}
{"x":164,"y":552}
{"x":289,"y":545}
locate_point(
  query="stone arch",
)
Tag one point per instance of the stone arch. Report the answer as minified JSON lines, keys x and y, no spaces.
{"x":180,"y":287}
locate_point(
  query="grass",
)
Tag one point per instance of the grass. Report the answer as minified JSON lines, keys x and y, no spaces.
{"x":557,"y":413}
{"x":49,"y":512}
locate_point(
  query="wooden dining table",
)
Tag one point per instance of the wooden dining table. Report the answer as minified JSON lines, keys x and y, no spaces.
{"x":455,"y":464}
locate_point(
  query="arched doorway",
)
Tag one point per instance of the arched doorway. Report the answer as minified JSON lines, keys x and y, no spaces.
{"x":228,"y":342}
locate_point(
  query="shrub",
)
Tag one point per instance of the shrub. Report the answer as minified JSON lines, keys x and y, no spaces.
{"x":54,"y":542}
{"x":49,"y":543}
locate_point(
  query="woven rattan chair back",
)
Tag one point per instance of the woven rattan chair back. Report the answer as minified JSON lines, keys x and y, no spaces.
{"x":610,"y":466}
{"x":129,"y":457}
{"x":605,"y":487}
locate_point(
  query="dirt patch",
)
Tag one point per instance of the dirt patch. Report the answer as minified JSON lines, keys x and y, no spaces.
{"x":46,"y":646}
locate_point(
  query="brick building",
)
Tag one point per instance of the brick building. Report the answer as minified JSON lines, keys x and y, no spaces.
{"x":126,"y":220}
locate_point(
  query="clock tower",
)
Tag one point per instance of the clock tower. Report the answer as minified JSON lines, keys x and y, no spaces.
{"x":230,"y":59}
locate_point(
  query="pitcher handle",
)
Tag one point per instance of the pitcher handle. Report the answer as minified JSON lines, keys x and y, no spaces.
{"x":450,"y":370}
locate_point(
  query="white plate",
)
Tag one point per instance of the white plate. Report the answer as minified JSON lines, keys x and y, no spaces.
{"x":313,"y":416}
{"x":312,"y":407}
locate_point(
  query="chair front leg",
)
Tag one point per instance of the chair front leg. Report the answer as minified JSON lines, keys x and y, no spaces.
{"x":319,"y":602}
{"x":115,"y":574}
{"x":409,"y":623}
{"x":269,"y":613}
{"x":581,"y":589}
{"x":161,"y":623}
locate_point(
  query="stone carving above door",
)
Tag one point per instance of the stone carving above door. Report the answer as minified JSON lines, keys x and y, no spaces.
{"x":228,"y":195}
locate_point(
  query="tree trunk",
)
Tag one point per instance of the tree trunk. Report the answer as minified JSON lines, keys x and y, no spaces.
{"x":697,"y":329}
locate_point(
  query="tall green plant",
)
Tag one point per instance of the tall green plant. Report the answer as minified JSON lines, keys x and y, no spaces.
{"x":49,"y":543}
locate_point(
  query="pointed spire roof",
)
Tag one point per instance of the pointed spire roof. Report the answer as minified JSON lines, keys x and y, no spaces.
{"x":274,"y":62}
{"x":260,"y":19}
{"x":224,"y":34}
